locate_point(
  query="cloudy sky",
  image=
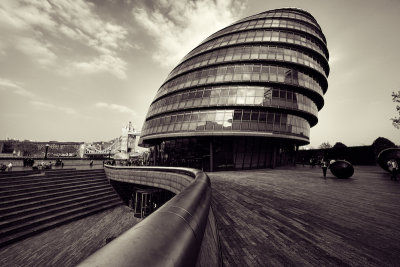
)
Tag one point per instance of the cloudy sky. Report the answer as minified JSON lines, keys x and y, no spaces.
{"x":74,"y":70}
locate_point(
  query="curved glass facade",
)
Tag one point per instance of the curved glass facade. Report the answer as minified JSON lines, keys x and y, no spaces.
{"x":270,"y":23}
{"x":234,"y":96}
{"x":245,"y":97}
{"x":281,"y":37}
{"x":233,"y":120}
{"x":251,"y":53}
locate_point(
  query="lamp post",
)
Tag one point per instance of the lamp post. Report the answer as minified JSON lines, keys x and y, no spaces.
{"x":47,"y":148}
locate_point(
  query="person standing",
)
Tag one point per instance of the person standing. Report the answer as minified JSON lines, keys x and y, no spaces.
{"x":10,"y":167}
{"x":324,"y":166}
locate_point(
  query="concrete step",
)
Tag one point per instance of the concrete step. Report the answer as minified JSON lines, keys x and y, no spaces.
{"x":38,"y":178}
{"x":36,"y":202}
{"x":45,"y":194}
{"x":29,"y":217}
{"x":76,"y":172}
{"x":6,"y":180}
{"x":13,"y":211}
{"x":23,"y":192}
{"x":58,"y":170}
{"x":48,"y":218}
{"x":12,"y":238}
{"x":17,"y":173}
{"x":32,"y":185}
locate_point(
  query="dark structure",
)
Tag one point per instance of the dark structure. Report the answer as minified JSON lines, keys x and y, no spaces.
{"x":342,"y":169}
{"x":246,"y":97}
{"x":357,"y":155}
{"x":387,"y":155}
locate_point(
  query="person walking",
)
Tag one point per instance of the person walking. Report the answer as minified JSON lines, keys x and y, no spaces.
{"x":395,"y":169}
{"x":324,"y":166}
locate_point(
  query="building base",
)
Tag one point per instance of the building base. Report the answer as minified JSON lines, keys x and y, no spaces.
{"x":224,"y":153}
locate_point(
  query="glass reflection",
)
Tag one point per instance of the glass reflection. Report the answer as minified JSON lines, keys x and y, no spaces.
{"x":235,"y":95}
{"x":229,"y":120}
{"x":269,"y":73}
{"x":281,"y":36}
{"x":257,"y":52}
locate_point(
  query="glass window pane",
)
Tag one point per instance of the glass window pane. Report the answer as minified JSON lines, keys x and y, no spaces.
{"x":237,"y":115}
{"x":270,"y":118}
{"x":254,"y":115}
{"x":263,"y":116}
{"x":246,"y":116}
{"x":273,"y":73}
{"x":277,"y":118}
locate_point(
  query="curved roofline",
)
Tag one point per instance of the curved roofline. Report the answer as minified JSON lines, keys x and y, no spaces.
{"x":292,"y":8}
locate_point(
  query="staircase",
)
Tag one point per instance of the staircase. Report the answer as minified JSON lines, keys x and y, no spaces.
{"x":34,"y":202}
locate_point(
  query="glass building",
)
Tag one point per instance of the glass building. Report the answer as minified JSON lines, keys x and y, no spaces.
{"x":246,"y":97}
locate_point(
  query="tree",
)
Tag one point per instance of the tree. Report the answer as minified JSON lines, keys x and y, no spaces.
{"x":27,"y":148}
{"x":380,"y":144}
{"x":325,"y":145}
{"x":8,"y":147}
{"x":339,"y":145}
{"x":396,"y":99}
{"x":339,"y":151}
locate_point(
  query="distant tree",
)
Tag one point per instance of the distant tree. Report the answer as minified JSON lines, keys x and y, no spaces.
{"x":70,"y":149}
{"x":325,"y":145}
{"x":27,"y":148}
{"x":8,"y":147}
{"x":396,"y":99}
{"x":380,"y":144}
{"x":339,"y":151}
{"x":339,"y":145}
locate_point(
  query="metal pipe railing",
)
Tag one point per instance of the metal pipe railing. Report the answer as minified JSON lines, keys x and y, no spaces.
{"x":171,"y":236}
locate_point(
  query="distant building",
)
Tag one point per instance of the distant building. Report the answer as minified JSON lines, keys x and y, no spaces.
{"x":37,"y":149}
{"x":246,"y":97}
{"x":123,"y":147}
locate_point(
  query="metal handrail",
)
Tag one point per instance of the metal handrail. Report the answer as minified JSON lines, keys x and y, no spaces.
{"x":171,"y":236}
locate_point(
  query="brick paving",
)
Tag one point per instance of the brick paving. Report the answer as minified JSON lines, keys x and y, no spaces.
{"x":295,"y":217}
{"x":69,"y":244}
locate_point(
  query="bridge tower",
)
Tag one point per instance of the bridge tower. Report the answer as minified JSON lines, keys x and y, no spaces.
{"x":128,"y":140}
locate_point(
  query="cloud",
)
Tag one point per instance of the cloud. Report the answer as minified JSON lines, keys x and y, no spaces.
{"x":108,"y":63}
{"x":16,"y":88}
{"x":52,"y":107}
{"x":115,"y":107}
{"x":40,"y":51}
{"x":44,"y":29}
{"x":177,"y":26}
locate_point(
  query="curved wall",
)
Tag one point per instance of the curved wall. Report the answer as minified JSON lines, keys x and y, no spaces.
{"x":182,"y":232}
{"x":264,"y":76}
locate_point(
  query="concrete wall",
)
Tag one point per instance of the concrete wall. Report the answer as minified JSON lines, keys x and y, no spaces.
{"x":173,"y":182}
{"x":182,"y":232}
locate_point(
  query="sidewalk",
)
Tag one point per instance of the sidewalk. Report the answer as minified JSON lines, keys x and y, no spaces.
{"x":295,"y":217}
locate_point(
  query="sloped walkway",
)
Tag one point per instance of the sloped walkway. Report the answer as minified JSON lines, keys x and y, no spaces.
{"x":69,"y":244}
{"x":295,"y":217}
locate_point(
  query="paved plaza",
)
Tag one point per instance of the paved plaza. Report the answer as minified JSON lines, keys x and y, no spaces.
{"x":295,"y":217}
{"x":281,"y":217}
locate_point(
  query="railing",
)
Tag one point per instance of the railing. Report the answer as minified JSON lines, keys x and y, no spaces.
{"x":172,"y":235}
